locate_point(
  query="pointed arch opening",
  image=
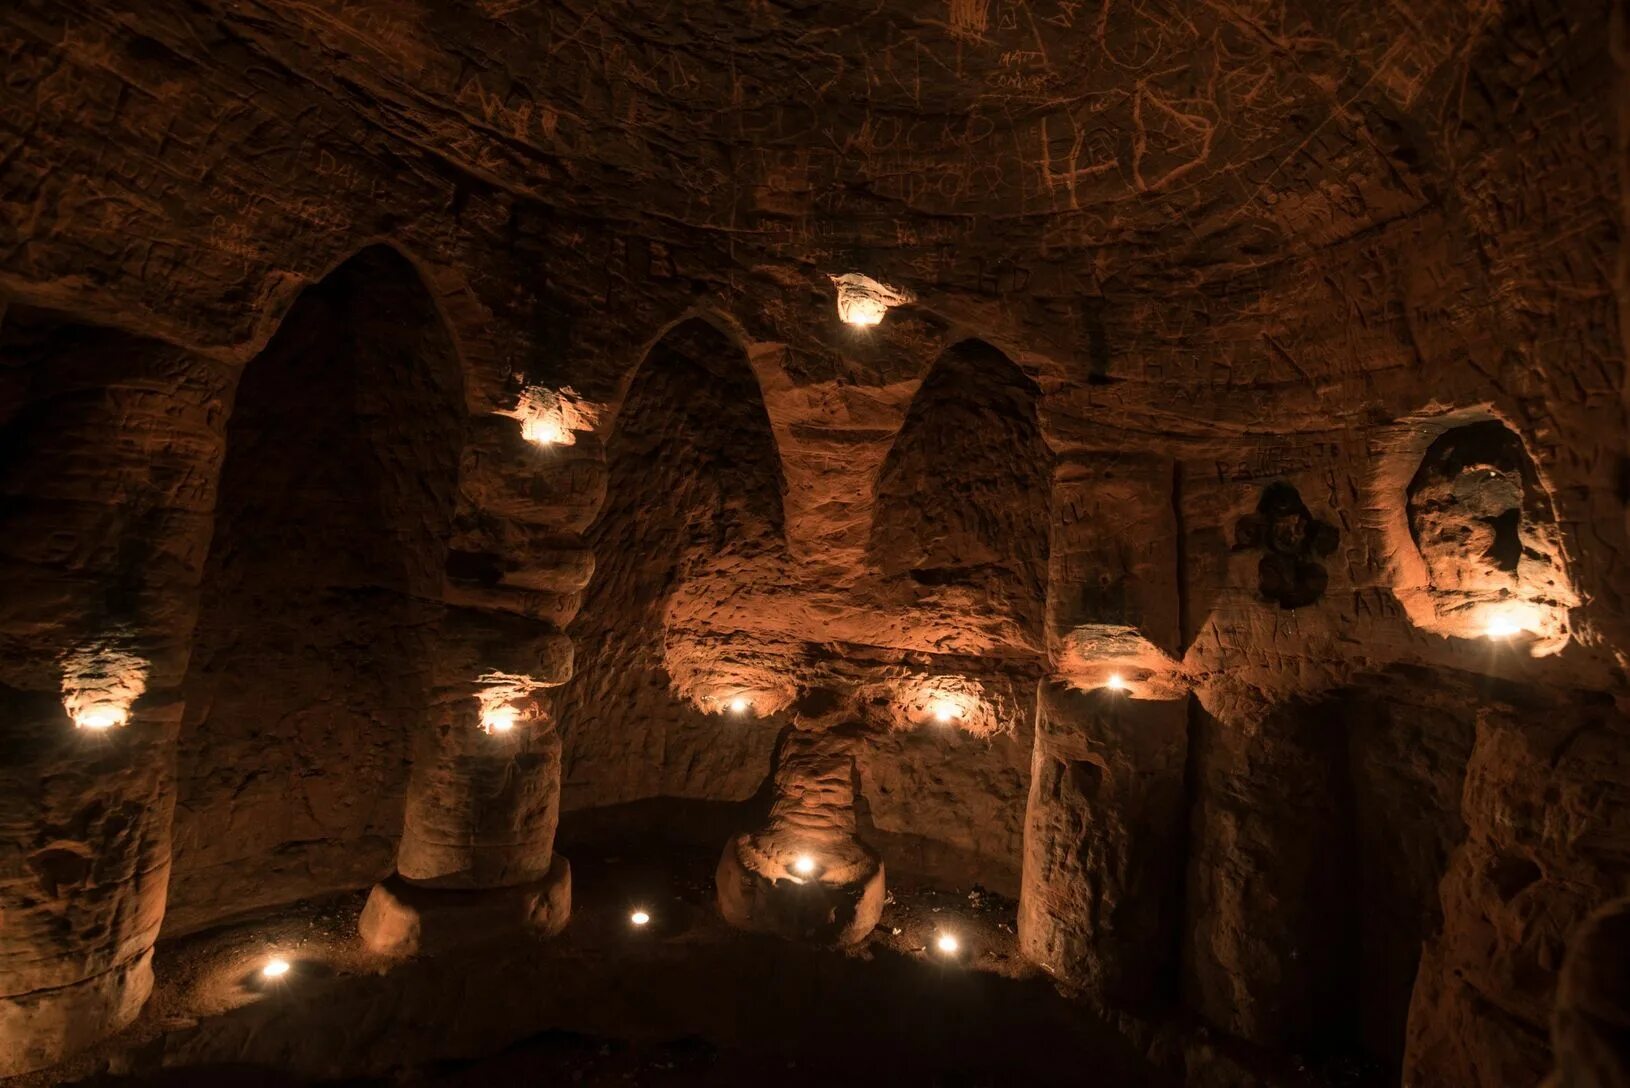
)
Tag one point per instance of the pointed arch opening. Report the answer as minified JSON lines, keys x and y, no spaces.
{"x":671,"y":676}
{"x":962,"y":497}
{"x":310,"y":668}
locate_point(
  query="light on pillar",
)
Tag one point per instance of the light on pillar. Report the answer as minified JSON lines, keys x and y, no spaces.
{"x":499,"y":719}
{"x":955,"y":702}
{"x":503,"y":701}
{"x":546,"y":432}
{"x":99,"y":686}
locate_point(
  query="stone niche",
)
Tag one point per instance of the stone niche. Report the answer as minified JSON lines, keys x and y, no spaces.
{"x":676,"y":687}
{"x":1321,"y":831}
{"x":310,"y":668}
{"x":960,"y":520}
{"x":1472,"y":532}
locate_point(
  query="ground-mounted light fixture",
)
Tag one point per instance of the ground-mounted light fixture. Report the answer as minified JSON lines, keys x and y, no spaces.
{"x":804,"y":865}
{"x":274,"y":968}
{"x":948,"y":944}
{"x":639,"y":918}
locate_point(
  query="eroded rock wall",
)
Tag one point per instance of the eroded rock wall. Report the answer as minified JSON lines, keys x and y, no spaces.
{"x":309,"y":674}
{"x":1262,"y":260}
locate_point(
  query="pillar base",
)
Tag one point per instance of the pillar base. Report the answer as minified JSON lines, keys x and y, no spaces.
{"x":43,"y":1028}
{"x":406,"y":919}
{"x":839,"y":903}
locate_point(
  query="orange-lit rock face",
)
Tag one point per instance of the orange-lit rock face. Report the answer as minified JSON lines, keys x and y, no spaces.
{"x":1163,"y":464}
{"x":1488,"y":536}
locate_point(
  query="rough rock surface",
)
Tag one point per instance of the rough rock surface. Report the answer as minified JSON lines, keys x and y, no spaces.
{"x":369,"y":370}
{"x":805,"y":874}
{"x":1590,"y":1026}
{"x":311,"y":668}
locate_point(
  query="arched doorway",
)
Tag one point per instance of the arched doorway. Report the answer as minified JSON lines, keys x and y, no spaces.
{"x":958,"y":549}
{"x":692,"y":522}
{"x":963,"y":495}
{"x":309,"y":669}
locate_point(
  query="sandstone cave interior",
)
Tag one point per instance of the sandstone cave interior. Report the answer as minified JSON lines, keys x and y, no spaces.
{"x":773,"y":542}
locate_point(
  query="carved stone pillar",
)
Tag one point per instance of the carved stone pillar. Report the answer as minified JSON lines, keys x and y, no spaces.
{"x":1267,"y":933}
{"x":1101,"y":887}
{"x":483,"y":798}
{"x":107,"y":480}
{"x":806,"y":875}
{"x":1104,"y":841}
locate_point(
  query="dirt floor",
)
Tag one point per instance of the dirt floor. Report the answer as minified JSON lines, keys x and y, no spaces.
{"x":682,"y":1001}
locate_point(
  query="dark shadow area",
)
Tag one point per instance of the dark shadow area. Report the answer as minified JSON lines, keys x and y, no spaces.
{"x":309,"y":669}
{"x":698,"y":1003}
{"x":1341,"y":815}
{"x":65,"y":388}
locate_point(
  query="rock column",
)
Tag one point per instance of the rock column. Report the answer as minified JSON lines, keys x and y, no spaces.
{"x":107,"y":479}
{"x":806,"y":875}
{"x":1104,"y":831}
{"x":483,"y":801}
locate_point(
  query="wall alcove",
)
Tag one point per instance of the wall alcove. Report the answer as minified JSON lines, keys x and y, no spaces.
{"x":310,"y":667}
{"x":692,"y":526}
{"x":962,"y":497}
{"x":959,"y":543}
{"x":1487,"y":532}
{"x":1471,"y":528}
{"x":1321,"y":837}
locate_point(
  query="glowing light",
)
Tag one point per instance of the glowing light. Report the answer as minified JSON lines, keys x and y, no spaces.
{"x":739,"y":705}
{"x":552,"y":417}
{"x":506,"y":701}
{"x":499,"y":719}
{"x":101,"y":716}
{"x":946,"y":711}
{"x":864,"y":312}
{"x":804,"y":865}
{"x":99,"y":685}
{"x":545,"y":431}
{"x":863,"y":302}
{"x":639,"y":918}
{"x":1502,"y":627}
{"x":275,"y":968}
{"x":1115,"y":682}
{"x":948,"y":943}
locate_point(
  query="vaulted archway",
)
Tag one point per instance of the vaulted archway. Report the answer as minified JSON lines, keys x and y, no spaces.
{"x":310,"y":667}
